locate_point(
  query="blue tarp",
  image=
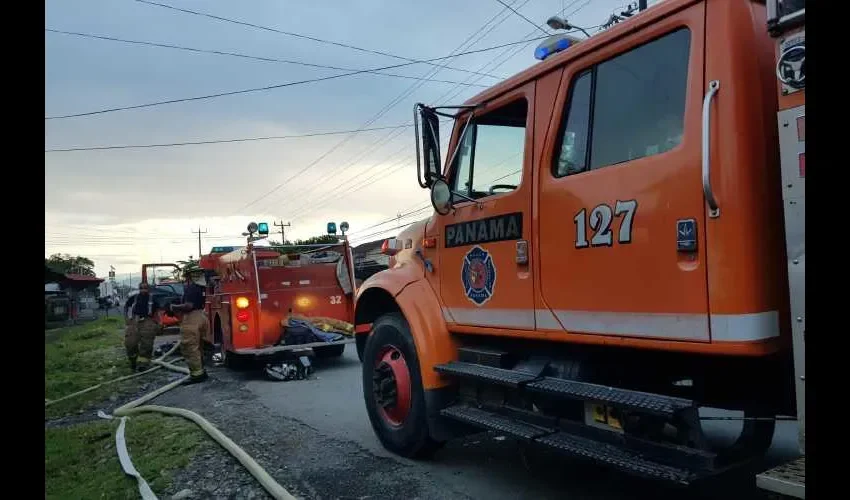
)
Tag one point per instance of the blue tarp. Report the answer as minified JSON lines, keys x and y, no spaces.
{"x":316,"y":334}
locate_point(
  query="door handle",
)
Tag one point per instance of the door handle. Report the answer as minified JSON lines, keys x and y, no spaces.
{"x":714,"y":208}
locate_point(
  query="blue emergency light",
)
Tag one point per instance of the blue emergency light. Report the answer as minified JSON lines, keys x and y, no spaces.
{"x":331,"y":228}
{"x":553,"y":45}
{"x":263,"y":228}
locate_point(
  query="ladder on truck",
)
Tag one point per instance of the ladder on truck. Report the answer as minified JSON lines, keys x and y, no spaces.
{"x":786,"y":23}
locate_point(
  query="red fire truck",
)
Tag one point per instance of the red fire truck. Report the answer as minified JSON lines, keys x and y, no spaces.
{"x":252,"y":290}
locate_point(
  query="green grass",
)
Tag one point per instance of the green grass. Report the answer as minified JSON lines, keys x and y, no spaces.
{"x":81,"y":356}
{"x":81,"y":461}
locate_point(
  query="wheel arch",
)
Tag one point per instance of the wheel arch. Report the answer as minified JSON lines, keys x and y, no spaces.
{"x":419,"y":305}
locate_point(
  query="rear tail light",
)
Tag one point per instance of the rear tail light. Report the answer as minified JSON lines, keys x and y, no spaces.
{"x":242,"y":302}
{"x":243,"y":316}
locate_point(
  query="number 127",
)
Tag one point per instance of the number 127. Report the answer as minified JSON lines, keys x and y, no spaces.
{"x":600,"y":221}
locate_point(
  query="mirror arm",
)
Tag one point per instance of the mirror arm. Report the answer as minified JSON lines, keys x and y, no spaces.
{"x":436,"y":136}
{"x":467,"y":198}
{"x":418,"y":154}
{"x":459,"y":141}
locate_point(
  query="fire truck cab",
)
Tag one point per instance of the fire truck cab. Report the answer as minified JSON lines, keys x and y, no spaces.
{"x":606,"y":257}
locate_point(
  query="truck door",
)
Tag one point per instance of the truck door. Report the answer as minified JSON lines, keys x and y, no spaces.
{"x":481,"y":281}
{"x":621,"y":205}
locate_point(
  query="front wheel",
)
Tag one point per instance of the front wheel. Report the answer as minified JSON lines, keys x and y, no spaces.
{"x":392,"y":389}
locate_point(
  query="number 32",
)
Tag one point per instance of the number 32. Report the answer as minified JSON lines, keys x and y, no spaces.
{"x":600,"y":221}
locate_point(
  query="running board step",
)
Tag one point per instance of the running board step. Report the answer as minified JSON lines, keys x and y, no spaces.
{"x":645,"y":402}
{"x":788,"y":479}
{"x":498,"y":376}
{"x":575,"y":446}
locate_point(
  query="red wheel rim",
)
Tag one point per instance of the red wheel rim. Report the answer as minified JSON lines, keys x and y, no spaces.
{"x":391,"y":385}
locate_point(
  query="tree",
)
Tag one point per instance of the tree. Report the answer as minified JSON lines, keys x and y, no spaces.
{"x":315,"y":240}
{"x":67,"y":264}
{"x":186,"y":265}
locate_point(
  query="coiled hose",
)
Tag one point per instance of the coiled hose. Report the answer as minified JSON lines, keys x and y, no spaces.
{"x":133,"y":407}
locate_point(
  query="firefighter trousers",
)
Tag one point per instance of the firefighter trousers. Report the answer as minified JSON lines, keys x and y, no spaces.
{"x":193,"y":329}
{"x":139,"y":339}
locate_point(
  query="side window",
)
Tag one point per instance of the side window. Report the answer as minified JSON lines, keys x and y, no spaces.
{"x":491,"y":155}
{"x":635,"y":103}
{"x":573,"y":155}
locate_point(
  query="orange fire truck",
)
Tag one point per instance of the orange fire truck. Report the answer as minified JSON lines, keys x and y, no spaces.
{"x":609,"y":251}
{"x":251,"y":290}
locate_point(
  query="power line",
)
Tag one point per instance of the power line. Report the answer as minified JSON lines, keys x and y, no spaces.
{"x":267,"y":87}
{"x":424,"y":207}
{"x":361,"y":238}
{"x":350,"y":189}
{"x":242,"y":56}
{"x":384,"y":110}
{"x":391,"y":219}
{"x":222,"y":141}
{"x":470,"y":41}
{"x":381,"y":142}
{"x":506,"y":59}
{"x":529,"y":21}
{"x":298,"y":35}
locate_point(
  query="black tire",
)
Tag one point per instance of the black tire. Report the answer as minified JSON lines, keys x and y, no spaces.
{"x":411,"y":438}
{"x":361,"y":345}
{"x":331,"y":351}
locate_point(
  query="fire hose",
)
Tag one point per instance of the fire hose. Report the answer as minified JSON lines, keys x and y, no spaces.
{"x":134,"y":407}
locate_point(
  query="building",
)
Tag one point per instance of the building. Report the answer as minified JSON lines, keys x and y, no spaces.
{"x":79,"y":292}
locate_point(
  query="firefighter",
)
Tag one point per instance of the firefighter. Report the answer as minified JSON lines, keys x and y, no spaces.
{"x":141,"y":330}
{"x":194,"y":326}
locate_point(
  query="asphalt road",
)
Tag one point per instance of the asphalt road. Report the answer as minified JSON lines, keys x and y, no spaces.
{"x":486,"y":466}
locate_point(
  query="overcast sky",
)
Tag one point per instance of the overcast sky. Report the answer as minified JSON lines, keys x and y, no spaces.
{"x":124,"y":207}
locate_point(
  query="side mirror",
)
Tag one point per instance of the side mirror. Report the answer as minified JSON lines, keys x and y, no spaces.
{"x":430,"y":150}
{"x":441,"y":196}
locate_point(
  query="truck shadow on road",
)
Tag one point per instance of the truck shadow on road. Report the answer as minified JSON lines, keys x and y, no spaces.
{"x":485,"y":465}
{"x":546,"y":474}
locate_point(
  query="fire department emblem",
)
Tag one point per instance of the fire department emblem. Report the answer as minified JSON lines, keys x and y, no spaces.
{"x":478,"y":275}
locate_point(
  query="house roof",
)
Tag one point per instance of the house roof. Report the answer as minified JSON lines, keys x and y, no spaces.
{"x":83,"y":278}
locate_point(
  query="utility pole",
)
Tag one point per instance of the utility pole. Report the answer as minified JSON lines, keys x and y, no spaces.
{"x":282,"y":233}
{"x":199,"y":233}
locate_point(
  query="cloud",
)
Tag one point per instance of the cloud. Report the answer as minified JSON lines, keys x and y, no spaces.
{"x":127,"y":207}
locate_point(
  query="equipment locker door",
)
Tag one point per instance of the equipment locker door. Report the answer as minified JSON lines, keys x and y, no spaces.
{"x":621,"y":205}
{"x":482,"y":282}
